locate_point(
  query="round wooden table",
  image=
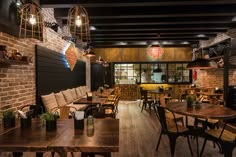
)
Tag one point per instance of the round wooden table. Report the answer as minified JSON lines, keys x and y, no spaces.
{"x":205,"y":111}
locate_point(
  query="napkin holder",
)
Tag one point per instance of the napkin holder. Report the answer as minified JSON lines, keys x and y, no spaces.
{"x":89,"y":96}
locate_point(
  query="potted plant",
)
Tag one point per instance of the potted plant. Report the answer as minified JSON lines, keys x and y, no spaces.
{"x":189,"y":100}
{"x":50,"y":120}
{"x":8,"y":118}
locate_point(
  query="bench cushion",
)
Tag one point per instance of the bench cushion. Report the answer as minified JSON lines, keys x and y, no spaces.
{"x":60,"y":99}
{"x":49,"y":101}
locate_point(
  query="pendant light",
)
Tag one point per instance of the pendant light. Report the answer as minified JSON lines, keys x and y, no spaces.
{"x":199,"y":63}
{"x":78,"y":24}
{"x":158,"y":69}
{"x":31,"y":22}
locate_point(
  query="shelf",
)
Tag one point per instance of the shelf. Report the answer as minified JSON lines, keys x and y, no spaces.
{"x":216,"y":58}
{"x":8,"y":62}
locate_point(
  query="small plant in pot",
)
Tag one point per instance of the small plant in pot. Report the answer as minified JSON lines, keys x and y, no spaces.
{"x":8,"y":119}
{"x":50,"y":120}
{"x":189,"y":100}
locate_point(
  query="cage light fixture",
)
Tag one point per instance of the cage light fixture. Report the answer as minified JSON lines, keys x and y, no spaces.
{"x":31,"y":22}
{"x":78,"y":24}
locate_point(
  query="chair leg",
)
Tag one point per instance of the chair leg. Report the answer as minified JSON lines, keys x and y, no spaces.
{"x":172,"y":141}
{"x":158,"y":143}
{"x":228,"y":149}
{"x":189,"y":146}
{"x":52,"y":154}
{"x":203,"y":147}
{"x":182,"y":121}
{"x":144,"y":105}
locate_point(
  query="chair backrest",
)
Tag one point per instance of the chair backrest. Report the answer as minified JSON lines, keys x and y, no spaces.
{"x":160,"y":112}
{"x":64,"y":112}
{"x":143,"y":93}
{"x":162,"y":100}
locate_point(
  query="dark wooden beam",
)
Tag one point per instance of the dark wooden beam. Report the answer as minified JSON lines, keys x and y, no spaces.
{"x":124,"y":3}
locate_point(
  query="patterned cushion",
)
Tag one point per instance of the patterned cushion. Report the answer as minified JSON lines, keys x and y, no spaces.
{"x":49,"y":101}
{"x":67,"y":95}
{"x":60,"y":99}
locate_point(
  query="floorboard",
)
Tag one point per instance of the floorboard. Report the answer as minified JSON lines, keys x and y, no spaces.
{"x":138,"y":137}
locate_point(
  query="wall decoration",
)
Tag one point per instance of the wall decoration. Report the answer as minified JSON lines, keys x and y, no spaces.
{"x":155,"y":52}
{"x":71,"y":56}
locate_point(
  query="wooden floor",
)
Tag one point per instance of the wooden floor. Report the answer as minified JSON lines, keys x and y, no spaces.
{"x":138,"y":137}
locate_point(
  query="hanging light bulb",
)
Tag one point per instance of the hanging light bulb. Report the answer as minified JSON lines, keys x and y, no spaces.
{"x":78,"y":21}
{"x":32,"y":19}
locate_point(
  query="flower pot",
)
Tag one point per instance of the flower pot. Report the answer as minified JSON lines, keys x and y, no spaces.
{"x":189,"y":104}
{"x":51,"y":125}
{"x":8,"y":122}
{"x":79,"y":124}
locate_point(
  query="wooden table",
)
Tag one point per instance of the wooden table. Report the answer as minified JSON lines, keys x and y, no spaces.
{"x":157,"y":92}
{"x":94,"y":101}
{"x":205,"y":111}
{"x":105,"y":138}
{"x":64,"y":139}
{"x":105,"y":93}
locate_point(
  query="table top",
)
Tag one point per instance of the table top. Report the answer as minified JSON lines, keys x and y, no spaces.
{"x":205,"y":111}
{"x":104,"y":139}
{"x":210,"y":94}
{"x":95,"y":101}
{"x":105,"y":93}
{"x":65,"y":138}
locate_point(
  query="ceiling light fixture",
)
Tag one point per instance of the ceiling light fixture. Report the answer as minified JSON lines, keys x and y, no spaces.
{"x":199,"y":63}
{"x":105,"y":64}
{"x":100,"y":60}
{"x":78,"y":24}
{"x":31,"y":22}
{"x":158,"y":69}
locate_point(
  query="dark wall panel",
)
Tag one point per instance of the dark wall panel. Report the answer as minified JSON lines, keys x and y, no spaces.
{"x":100,"y":75}
{"x":53,"y":75}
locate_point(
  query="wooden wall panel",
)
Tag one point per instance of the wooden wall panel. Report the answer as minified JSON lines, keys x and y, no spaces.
{"x":140,"y":54}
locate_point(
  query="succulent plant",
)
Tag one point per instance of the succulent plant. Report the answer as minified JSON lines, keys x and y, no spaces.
{"x":8,"y":114}
{"x":48,"y":116}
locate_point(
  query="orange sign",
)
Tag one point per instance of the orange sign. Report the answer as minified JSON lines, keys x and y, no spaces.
{"x":155,"y":52}
{"x":71,"y":56}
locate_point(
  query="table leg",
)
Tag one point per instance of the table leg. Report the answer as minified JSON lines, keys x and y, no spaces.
{"x":62,"y":154}
{"x":197,"y":145}
{"x":39,"y":154}
{"x":17,"y":154}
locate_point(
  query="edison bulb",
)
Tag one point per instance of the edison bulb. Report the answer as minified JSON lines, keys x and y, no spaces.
{"x":32,"y":19}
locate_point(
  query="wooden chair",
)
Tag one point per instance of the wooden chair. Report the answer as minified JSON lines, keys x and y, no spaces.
{"x":222,"y":136}
{"x":169,"y":115}
{"x":171,"y":129}
{"x":64,"y":112}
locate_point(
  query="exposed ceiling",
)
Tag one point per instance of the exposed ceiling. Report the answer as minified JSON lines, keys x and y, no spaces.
{"x":139,"y":23}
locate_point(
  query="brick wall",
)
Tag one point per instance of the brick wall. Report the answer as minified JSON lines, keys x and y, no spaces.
{"x":17,"y":82}
{"x":215,"y":77}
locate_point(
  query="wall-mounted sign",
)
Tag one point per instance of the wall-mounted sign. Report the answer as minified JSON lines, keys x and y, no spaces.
{"x":155,"y":52}
{"x":71,"y":56}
